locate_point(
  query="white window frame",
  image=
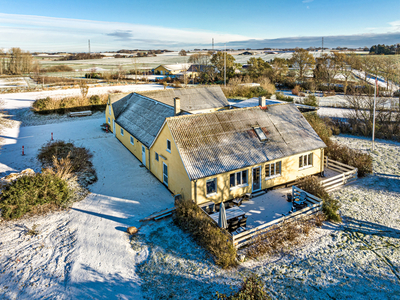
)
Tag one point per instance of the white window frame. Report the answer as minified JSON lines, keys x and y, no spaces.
{"x":157,"y":156}
{"x":216,"y":187}
{"x":306,"y":161}
{"x":132,"y":140}
{"x":165,"y":176}
{"x":268,"y":165}
{"x":169,"y":150}
{"x":122,"y":131}
{"x":109,"y":110}
{"x":240,"y":173}
{"x":109,"y":120}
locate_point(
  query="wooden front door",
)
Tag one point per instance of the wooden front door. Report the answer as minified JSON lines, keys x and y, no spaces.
{"x":256,"y":179}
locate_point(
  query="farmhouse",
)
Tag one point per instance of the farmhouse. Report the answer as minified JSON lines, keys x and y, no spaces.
{"x":208,"y":153}
{"x":171,"y":70}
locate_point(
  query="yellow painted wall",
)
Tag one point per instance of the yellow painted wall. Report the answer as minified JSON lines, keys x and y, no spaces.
{"x":290,"y":172}
{"x":136,"y":148}
{"x":108,"y":115}
{"x":178,"y":180}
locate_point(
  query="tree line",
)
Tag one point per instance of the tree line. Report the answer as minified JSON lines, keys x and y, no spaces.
{"x":16,"y":62}
{"x":385,"y":49}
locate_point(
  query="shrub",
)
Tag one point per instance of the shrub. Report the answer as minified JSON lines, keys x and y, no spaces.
{"x":252,"y":288}
{"x":330,"y":206}
{"x":296,"y":90}
{"x":95,"y":100}
{"x":190,"y":218}
{"x":60,"y":68}
{"x":64,"y":105}
{"x":282,"y":97}
{"x":64,"y":158}
{"x":38,"y":193}
{"x":310,"y":100}
{"x":361,"y":161}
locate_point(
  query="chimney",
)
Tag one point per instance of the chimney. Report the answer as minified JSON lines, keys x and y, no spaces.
{"x":261,"y":101}
{"x":177,"y":105}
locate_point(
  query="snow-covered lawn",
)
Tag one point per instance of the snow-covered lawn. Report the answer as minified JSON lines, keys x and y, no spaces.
{"x":84,"y":252}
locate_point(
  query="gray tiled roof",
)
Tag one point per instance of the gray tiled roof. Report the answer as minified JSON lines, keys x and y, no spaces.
{"x":143,"y":117}
{"x":192,"y":99}
{"x":119,"y":102}
{"x":223,"y":141}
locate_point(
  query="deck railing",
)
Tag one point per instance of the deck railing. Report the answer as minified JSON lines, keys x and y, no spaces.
{"x":314,"y":206}
{"x":349,"y":174}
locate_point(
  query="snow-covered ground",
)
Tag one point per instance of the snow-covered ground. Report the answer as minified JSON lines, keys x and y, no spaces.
{"x":85,"y":253}
{"x":24,"y":100}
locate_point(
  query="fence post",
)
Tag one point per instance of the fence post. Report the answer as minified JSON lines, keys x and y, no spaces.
{"x":326,"y":161}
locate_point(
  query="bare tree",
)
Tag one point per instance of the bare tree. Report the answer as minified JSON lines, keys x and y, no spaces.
{"x":84,"y":88}
{"x":343,"y":63}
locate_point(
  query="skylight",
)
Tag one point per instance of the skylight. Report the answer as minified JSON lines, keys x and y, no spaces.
{"x":261,"y":135}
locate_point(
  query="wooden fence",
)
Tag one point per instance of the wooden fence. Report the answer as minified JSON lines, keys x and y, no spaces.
{"x":348,"y":174}
{"x":314,"y":206}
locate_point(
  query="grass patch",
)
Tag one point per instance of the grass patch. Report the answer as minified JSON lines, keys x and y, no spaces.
{"x":279,"y":239}
{"x":65,"y":159}
{"x":252,"y":288}
{"x":34,"y":194}
{"x":280,"y":96}
{"x":190,"y":218}
{"x":70,"y":104}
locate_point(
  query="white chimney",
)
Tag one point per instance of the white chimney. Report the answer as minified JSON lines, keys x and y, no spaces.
{"x":261,"y":101}
{"x":177,"y":105}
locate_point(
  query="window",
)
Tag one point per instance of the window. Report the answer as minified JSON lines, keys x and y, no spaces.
{"x":238,"y":179}
{"x":169,"y":146}
{"x":109,"y":109}
{"x":109,"y":121}
{"x":261,"y":135}
{"x":122,"y":131}
{"x":157,"y":158}
{"x":211,"y":186}
{"x":132,"y":140}
{"x":273,"y":169}
{"x":305,"y":161}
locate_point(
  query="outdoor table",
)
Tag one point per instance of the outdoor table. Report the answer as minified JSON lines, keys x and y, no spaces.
{"x":231,"y":213}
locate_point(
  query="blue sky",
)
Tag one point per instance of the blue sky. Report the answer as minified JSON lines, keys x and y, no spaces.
{"x":111,"y":25}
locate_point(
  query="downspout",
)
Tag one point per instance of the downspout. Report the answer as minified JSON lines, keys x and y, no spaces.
{"x":149,"y":161}
{"x":322,"y":161}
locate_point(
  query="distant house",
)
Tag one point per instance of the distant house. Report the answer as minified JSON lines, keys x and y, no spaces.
{"x":247,"y":53}
{"x":205,"y":152}
{"x":171,"y":70}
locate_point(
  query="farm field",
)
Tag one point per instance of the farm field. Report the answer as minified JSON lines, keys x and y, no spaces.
{"x":84,"y":252}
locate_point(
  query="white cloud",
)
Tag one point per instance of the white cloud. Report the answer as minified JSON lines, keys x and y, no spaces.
{"x":43,"y":33}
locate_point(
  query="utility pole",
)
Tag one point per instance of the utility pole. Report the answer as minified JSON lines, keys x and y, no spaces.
{"x":225,"y":66}
{"x":373,"y":123}
{"x":322,"y":44}
{"x":89,"y":46}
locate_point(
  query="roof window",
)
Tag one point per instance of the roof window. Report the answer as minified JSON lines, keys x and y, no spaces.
{"x":261,"y":135}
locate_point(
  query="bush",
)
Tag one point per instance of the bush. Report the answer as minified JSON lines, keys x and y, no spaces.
{"x":29,"y":194}
{"x":60,"y":68}
{"x":252,"y":288}
{"x":69,"y":104}
{"x":95,"y":100}
{"x":361,"y":161}
{"x":282,"y":97}
{"x":62,"y":157}
{"x":296,"y":90}
{"x":310,"y":100}
{"x":190,"y":218}
{"x":330,"y":206}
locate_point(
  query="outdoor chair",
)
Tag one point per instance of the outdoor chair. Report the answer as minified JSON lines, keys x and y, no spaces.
{"x":242,"y":222}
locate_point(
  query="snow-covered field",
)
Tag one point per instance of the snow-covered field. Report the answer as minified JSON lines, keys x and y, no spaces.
{"x":85,"y":253}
